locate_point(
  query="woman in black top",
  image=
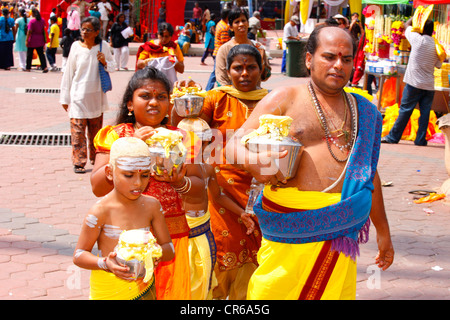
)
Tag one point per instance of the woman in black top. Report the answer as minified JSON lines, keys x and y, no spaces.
{"x":66,"y":44}
{"x":119,"y":43}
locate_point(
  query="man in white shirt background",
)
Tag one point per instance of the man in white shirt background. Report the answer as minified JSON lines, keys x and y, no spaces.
{"x":290,"y":32}
{"x":419,"y":88}
{"x":254,"y":24}
{"x":104,"y":7}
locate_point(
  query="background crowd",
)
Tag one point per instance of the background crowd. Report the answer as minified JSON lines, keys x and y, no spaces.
{"x":24,"y":31}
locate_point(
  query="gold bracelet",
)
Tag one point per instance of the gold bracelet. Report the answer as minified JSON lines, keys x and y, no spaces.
{"x":186,"y":187}
{"x":183,"y":186}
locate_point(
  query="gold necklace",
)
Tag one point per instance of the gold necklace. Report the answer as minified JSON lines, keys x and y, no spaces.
{"x":323,"y":122}
{"x":341,"y":130}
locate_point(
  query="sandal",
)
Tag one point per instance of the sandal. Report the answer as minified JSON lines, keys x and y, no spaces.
{"x":422,"y":192}
{"x":78,"y":169}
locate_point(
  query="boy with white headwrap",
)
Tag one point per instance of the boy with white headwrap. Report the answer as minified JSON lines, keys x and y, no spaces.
{"x":124,"y":208}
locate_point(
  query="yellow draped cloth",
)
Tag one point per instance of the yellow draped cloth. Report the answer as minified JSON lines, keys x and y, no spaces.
{"x":203,"y":279}
{"x":285,"y":270}
{"x":251,"y":95}
{"x":172,"y":277}
{"x":411,"y":128}
{"x":106,"y":286}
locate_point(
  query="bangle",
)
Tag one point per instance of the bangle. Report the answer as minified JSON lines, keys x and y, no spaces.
{"x":101,"y":262}
{"x":185,"y":188}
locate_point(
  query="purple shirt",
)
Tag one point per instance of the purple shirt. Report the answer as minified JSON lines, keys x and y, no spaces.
{"x":37,"y":33}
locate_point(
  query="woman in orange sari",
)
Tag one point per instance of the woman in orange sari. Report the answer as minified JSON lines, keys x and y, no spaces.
{"x":225,"y":108}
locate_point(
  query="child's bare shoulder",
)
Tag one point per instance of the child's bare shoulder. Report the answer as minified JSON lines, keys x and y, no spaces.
{"x":98,"y":212}
{"x":150,"y":202}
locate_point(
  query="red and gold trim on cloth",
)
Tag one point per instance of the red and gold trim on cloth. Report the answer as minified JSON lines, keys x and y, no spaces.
{"x":318,"y":279}
{"x":271,"y":206}
{"x":323,"y":268}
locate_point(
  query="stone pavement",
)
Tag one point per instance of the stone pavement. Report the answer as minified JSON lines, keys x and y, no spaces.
{"x":42,"y":202}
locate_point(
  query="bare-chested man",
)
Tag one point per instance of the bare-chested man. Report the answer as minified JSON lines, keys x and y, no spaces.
{"x":312,"y":224}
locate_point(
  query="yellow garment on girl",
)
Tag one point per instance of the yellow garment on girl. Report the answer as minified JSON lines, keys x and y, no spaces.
{"x":285,"y":268}
{"x":106,"y":286}
{"x":172,"y":277}
{"x":203,"y":279}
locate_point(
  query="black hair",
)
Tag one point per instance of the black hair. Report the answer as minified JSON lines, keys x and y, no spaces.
{"x":428,"y":28}
{"x":331,"y":22}
{"x":137,"y":81}
{"x":95,"y":24}
{"x":235,"y":13}
{"x":165,"y":26}
{"x":313,"y":41}
{"x":5,"y":13}
{"x":224,"y":14}
{"x":244,"y":49}
{"x":23,"y":14}
{"x":118,"y":17}
{"x":53,"y":19}
{"x":36,"y":14}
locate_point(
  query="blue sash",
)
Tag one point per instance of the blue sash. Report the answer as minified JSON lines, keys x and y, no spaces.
{"x":346,"y":223}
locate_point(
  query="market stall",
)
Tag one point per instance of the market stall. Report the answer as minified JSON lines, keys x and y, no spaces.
{"x":385,"y":62}
{"x":387,"y":52}
{"x":441,"y":17}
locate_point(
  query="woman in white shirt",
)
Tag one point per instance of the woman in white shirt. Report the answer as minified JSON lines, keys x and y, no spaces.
{"x":81,"y":93}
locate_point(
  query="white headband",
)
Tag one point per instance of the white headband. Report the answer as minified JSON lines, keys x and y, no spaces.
{"x":133,"y":163}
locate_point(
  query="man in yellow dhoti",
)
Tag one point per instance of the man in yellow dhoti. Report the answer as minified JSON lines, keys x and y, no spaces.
{"x":312,"y":224}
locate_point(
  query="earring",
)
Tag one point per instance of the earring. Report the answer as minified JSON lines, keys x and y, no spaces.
{"x":130,"y":113}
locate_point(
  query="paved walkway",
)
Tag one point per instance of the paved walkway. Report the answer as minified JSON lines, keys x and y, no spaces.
{"x":42,"y":202}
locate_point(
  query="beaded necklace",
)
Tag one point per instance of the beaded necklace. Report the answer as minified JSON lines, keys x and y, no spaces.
{"x":349,"y":136}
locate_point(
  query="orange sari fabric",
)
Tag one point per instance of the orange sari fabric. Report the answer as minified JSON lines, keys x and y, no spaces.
{"x":170,"y":285}
{"x":234,"y":246}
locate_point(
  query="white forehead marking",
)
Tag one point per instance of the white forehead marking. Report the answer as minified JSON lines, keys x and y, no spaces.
{"x":133,"y":163}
